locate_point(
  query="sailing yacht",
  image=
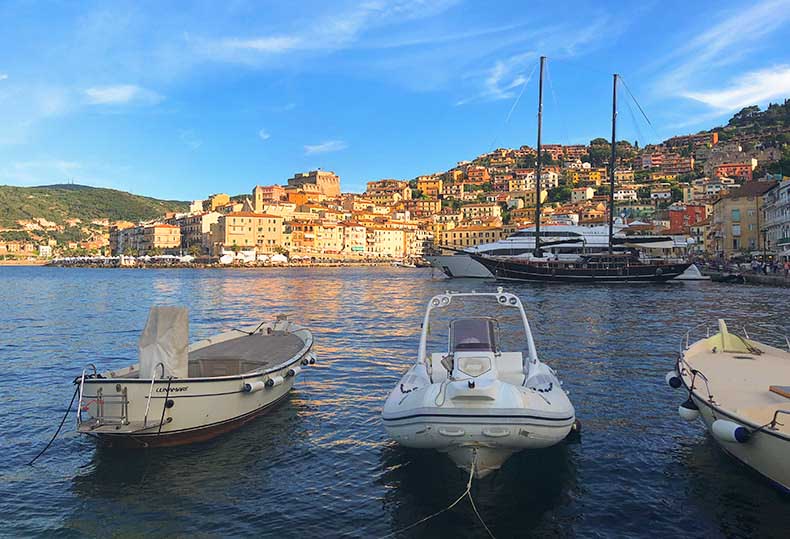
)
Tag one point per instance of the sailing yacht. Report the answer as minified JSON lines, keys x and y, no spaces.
{"x":614,"y":265}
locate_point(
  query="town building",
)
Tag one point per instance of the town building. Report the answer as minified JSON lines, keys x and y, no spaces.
{"x":739,"y":171}
{"x":328,"y":183}
{"x":776,"y":219}
{"x":469,"y":236}
{"x":247,"y":231}
{"x":430,"y":186}
{"x":472,"y":211}
{"x":266,"y":194}
{"x":735,"y":223}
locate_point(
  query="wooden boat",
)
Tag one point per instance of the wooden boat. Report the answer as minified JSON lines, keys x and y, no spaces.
{"x":741,"y":389}
{"x":179,"y":394}
{"x":589,"y":268}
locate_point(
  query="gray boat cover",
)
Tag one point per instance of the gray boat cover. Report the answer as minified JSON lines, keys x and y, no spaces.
{"x":165,"y":340}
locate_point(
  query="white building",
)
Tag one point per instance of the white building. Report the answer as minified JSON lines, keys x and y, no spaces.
{"x":776,"y":219}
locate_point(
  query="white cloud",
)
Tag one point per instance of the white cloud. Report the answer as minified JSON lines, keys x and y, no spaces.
{"x":325,"y":147}
{"x":3,"y":76}
{"x":264,"y":135}
{"x":749,"y":89}
{"x":723,"y":44}
{"x":121,"y":94}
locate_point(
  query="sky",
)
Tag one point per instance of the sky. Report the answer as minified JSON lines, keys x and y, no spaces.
{"x":179,"y":100}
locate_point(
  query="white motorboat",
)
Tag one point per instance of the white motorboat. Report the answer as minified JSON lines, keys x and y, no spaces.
{"x":179,"y":394}
{"x":692,"y":273}
{"x":733,"y":384}
{"x":474,"y":401}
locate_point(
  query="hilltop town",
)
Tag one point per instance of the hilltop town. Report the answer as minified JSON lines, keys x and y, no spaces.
{"x":724,"y":188}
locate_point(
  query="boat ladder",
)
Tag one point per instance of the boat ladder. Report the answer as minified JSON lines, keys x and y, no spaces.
{"x":118,"y":402}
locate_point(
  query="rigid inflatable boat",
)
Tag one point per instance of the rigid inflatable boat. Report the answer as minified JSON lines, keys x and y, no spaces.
{"x":474,"y":401}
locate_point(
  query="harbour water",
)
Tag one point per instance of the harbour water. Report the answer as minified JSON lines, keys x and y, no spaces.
{"x":321,"y":465}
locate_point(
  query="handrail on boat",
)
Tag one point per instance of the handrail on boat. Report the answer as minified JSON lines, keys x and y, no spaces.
{"x":767,"y":328}
{"x":775,"y":420}
{"x":150,"y":393}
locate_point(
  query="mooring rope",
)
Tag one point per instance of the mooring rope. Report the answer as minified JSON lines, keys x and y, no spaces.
{"x":62,"y":421}
{"x":466,"y":492}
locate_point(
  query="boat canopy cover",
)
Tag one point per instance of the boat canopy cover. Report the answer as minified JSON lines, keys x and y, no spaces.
{"x":165,"y":340}
{"x":472,"y":334}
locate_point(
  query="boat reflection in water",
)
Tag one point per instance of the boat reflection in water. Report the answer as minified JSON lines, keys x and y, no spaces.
{"x":526,"y":494}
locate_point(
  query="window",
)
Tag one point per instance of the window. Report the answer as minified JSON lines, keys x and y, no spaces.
{"x":735,"y":244}
{"x":736,"y":214}
{"x":736,"y":230}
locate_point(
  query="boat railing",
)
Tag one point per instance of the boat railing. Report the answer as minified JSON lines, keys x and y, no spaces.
{"x":151,"y":392}
{"x":777,"y":334}
{"x":775,"y":421}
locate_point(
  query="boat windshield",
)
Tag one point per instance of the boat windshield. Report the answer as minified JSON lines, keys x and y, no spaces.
{"x":472,"y":334}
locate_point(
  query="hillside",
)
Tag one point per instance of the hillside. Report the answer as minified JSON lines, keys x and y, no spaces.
{"x":771,"y":126}
{"x":59,"y":203}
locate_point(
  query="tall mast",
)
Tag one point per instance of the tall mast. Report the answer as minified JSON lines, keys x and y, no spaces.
{"x":612,"y":161}
{"x":538,"y":252}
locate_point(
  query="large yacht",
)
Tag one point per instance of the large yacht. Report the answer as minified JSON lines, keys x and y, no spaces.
{"x":559,"y":242}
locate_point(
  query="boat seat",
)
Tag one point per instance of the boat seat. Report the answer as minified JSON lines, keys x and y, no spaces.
{"x":780,"y":390}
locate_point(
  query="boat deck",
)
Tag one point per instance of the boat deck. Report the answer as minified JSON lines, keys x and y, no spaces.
{"x":244,"y":354}
{"x":744,"y":382}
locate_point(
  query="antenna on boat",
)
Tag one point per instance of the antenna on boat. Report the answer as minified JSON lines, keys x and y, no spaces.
{"x":537,"y":252}
{"x":612,"y":161}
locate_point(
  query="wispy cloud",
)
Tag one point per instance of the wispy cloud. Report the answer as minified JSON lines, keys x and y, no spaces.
{"x":121,"y":94}
{"x":748,"y":89}
{"x":719,"y":47}
{"x":325,"y":34}
{"x":264,"y":135}
{"x":325,"y":147}
{"x":190,"y":139}
{"x":3,"y":76}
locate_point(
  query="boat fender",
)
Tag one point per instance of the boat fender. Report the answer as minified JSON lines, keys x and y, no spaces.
{"x":659,"y":272}
{"x":252,"y":387}
{"x":688,"y":410}
{"x":293,"y":371}
{"x":729,"y":431}
{"x":673,"y":380}
{"x":274,"y":381}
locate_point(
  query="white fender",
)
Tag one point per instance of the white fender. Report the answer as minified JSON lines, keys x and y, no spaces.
{"x":274,"y":381}
{"x":673,"y":380}
{"x":729,"y":431}
{"x":252,"y":387}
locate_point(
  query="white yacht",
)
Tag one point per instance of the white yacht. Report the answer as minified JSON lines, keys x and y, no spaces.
{"x":558,"y":242}
{"x":474,"y":401}
{"x":740,"y":388}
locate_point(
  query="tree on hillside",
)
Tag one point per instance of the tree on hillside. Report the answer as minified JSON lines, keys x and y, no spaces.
{"x":560,"y":194}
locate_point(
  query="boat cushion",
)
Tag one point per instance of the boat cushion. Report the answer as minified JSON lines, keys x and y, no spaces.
{"x":780,"y":390}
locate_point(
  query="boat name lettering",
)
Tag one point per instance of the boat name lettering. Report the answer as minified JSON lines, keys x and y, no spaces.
{"x":172,"y":389}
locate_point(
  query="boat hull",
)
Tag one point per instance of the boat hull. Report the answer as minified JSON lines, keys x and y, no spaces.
{"x":765,"y":452}
{"x":191,"y":410}
{"x":459,"y":266}
{"x":541,"y":272}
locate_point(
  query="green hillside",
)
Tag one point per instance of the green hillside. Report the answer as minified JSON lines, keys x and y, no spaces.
{"x":61,"y":202}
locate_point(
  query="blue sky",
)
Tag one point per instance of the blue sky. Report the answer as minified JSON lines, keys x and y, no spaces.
{"x":183,"y":99}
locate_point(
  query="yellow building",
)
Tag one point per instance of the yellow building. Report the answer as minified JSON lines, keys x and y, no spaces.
{"x":248,"y":230}
{"x":473,"y":211}
{"x":469,"y":236}
{"x":735,"y":223}
{"x":430,"y":186}
{"x":218,"y":200}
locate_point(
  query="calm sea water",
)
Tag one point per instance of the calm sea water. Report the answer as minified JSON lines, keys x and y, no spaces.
{"x":321,"y":465}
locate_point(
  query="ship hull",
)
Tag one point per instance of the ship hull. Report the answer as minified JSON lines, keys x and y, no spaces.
{"x":559,"y":273}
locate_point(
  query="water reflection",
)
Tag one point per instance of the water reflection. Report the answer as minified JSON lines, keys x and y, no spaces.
{"x":530,"y":485}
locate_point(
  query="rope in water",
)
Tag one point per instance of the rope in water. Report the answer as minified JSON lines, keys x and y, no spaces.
{"x":467,"y":492}
{"x":62,"y":421}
